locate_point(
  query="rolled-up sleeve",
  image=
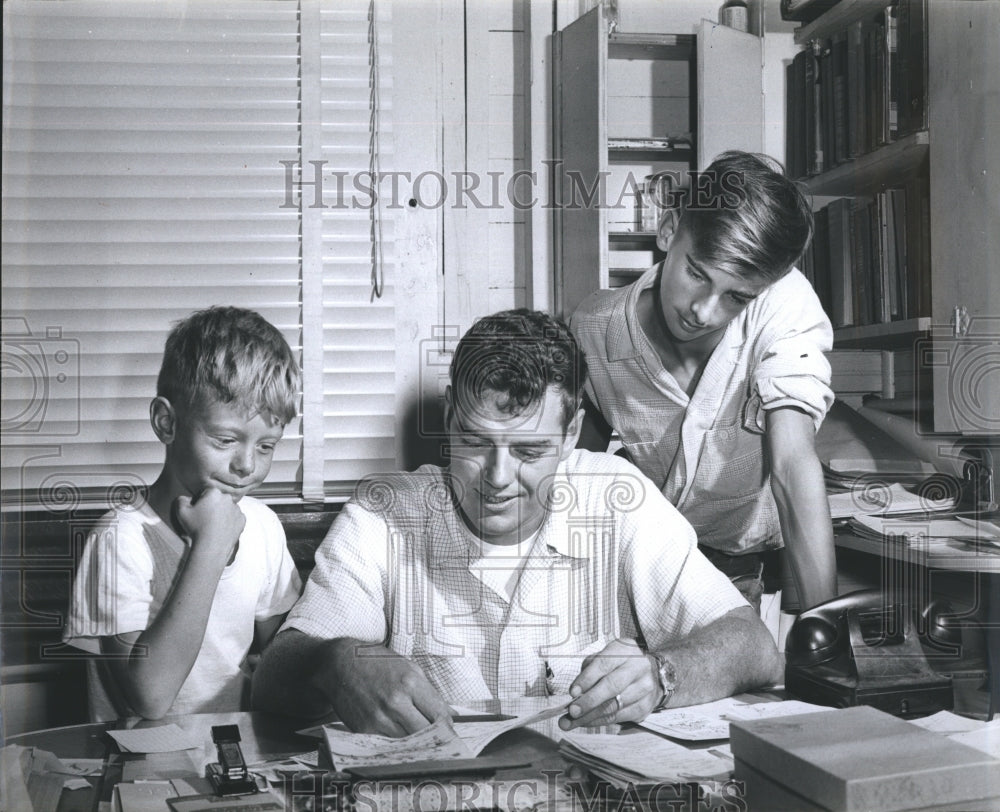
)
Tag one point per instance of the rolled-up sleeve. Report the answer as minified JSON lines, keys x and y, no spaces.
{"x":793,"y":337}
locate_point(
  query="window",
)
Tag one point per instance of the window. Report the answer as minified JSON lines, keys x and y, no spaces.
{"x":150,"y":152}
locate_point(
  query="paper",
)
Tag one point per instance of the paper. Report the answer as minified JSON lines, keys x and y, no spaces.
{"x":80,"y":766}
{"x":695,"y":723}
{"x":986,"y":738}
{"x":947,"y":723}
{"x":476,"y":735}
{"x":162,"y":739}
{"x":883,"y":500}
{"x":917,"y":530}
{"x":641,"y":758}
{"x":442,"y":740}
{"x":147,"y":796}
{"x":438,"y":741}
{"x":770,"y":710}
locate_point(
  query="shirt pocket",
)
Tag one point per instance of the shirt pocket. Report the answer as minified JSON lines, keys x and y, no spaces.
{"x":731,"y":464}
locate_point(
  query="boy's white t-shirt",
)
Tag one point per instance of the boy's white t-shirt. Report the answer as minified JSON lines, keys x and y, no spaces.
{"x":126,"y":572}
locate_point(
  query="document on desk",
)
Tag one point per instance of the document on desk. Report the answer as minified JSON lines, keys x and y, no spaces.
{"x":711,"y":720}
{"x":159,"y":739}
{"x":872,"y":499}
{"x":915,"y":531}
{"x":441,"y":741}
{"x":642,"y":758}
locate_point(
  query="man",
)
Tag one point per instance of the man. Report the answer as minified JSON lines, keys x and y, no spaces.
{"x":524,"y":568}
{"x":711,"y":369}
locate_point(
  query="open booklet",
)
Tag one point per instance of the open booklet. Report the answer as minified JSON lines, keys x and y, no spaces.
{"x":443,"y":740}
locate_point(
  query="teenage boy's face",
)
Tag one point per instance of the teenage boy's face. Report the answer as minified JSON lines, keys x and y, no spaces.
{"x":503,"y":465}
{"x":217,"y":445}
{"x":696,"y":299}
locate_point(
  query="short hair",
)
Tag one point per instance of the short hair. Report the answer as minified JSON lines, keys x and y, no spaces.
{"x":746,"y":218}
{"x":519,"y":353}
{"x":235,"y":356}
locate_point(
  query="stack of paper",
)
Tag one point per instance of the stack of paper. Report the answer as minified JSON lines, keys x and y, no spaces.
{"x":920,"y":530}
{"x":711,"y":720}
{"x":640,"y":759}
{"x":874,"y":498}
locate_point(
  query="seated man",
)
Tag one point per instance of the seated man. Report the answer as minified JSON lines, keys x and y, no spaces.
{"x":525,"y":567}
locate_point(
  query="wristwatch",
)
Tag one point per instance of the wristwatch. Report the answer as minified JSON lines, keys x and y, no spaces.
{"x":667,"y":677}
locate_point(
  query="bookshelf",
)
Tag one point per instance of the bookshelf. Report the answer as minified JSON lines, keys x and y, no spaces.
{"x":873,"y":171}
{"x":919,"y":184}
{"x":628,"y":105}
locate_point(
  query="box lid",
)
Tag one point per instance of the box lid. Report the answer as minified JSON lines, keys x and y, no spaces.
{"x":861,"y":758}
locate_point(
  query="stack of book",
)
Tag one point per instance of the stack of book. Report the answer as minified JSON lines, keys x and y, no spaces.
{"x":869,"y":256}
{"x":862,"y":87}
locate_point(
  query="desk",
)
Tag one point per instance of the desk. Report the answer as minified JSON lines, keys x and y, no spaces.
{"x":269,"y":737}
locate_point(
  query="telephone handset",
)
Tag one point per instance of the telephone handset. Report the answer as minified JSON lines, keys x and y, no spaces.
{"x":821,"y":634}
{"x":861,"y":649}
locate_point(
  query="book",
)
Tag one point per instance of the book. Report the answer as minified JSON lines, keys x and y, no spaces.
{"x":439,"y":742}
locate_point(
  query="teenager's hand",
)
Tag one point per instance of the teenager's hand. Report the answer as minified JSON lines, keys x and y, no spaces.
{"x":375,"y":690}
{"x":618,"y":684}
{"x":212,"y":520}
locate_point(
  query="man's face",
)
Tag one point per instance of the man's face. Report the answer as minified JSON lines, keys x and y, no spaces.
{"x":503,"y":465}
{"x":698,"y":300}
{"x":217,"y":444}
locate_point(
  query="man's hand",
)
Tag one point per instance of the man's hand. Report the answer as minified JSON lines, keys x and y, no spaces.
{"x":376,"y":690}
{"x":618,"y":684}
{"x":212,"y":520}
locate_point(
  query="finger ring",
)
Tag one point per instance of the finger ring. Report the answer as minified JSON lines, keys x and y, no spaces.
{"x":618,"y":702}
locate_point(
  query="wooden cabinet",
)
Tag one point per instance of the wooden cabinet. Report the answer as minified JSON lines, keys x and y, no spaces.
{"x":628,"y":106}
{"x":952,"y":340}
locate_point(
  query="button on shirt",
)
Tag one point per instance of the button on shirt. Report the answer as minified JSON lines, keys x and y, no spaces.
{"x":612,"y":559}
{"x":706,"y":453}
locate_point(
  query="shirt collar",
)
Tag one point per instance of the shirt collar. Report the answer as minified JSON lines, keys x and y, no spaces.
{"x":623,"y":341}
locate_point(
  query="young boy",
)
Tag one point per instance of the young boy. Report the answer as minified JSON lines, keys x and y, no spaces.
{"x":171,"y":593}
{"x":711,"y":368}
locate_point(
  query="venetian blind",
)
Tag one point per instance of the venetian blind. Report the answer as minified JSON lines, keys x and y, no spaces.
{"x":145,"y":152}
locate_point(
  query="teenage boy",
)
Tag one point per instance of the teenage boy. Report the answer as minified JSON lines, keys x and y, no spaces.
{"x":711,"y":368}
{"x":525,"y":568}
{"x":171,"y":593}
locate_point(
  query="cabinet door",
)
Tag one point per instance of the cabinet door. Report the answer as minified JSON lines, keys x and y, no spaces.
{"x":581,"y":149}
{"x":962,"y":116}
{"x":730,"y":91}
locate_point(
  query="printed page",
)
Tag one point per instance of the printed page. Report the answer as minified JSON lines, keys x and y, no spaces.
{"x":477,"y":735}
{"x":436,"y":742}
{"x":695,"y":723}
{"x":947,"y":723}
{"x":643,"y":754}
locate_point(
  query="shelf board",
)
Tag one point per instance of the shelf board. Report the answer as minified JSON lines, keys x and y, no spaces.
{"x":677,"y":149}
{"x":650,"y":46}
{"x":840,"y":16}
{"x":632,"y":239}
{"x":891,"y":335}
{"x":886,"y":166}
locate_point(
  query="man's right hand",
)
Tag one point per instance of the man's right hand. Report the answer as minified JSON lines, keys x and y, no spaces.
{"x":375,"y":690}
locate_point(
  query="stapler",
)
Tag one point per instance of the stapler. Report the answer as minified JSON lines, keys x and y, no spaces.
{"x":229,"y":776}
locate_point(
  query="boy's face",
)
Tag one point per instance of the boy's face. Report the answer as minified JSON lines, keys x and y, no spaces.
{"x":503,"y":465}
{"x":217,"y":444}
{"x":697,"y":300}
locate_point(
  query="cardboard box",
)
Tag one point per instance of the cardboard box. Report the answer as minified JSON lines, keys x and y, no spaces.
{"x":859,"y":759}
